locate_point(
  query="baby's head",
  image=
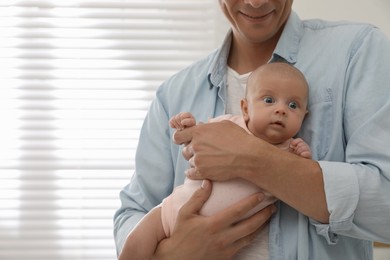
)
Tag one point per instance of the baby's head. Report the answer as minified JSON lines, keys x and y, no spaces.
{"x":275,"y":102}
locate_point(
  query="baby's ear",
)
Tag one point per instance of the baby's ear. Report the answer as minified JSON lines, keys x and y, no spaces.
{"x":244,"y":109}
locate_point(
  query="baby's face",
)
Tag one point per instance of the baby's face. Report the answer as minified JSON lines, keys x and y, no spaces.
{"x":275,"y":107}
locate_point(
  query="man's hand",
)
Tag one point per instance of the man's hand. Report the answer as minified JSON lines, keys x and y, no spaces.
{"x":214,"y":237}
{"x":217,"y":151}
{"x":223,"y":151}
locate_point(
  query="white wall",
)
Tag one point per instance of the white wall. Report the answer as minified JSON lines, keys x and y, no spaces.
{"x":376,"y":12}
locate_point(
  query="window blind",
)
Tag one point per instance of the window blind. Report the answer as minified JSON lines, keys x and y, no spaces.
{"x":76,"y":80}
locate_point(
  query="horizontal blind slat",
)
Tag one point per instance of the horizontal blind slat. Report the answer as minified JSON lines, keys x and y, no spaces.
{"x":76,"y":80}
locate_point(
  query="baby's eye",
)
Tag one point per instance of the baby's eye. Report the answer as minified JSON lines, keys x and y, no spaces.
{"x":293,"y":105}
{"x":269,"y":100}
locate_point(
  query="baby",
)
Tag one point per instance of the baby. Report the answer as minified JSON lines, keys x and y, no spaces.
{"x":273,"y":109}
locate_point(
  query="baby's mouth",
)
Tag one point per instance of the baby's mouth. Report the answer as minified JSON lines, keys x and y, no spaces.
{"x":278,"y":123}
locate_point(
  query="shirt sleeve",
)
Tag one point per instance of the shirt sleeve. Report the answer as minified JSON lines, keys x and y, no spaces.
{"x":153,"y":177}
{"x":358,"y":190}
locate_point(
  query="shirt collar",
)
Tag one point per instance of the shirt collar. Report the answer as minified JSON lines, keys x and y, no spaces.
{"x":288,"y":45}
{"x":286,"y":49}
{"x":218,"y":68}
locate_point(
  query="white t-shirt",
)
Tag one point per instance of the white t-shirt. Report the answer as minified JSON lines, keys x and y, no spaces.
{"x":236,"y":85}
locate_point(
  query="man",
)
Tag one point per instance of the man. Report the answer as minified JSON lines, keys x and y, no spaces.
{"x":332,"y":206}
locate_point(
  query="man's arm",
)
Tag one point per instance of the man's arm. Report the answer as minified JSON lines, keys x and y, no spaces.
{"x":295,"y":180}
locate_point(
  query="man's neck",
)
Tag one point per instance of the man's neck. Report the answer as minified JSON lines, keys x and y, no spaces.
{"x":246,"y":56}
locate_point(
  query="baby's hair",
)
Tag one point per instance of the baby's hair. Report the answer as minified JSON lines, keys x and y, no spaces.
{"x":283,"y":70}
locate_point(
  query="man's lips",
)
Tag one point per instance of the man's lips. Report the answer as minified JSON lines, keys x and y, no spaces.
{"x":256,"y":16}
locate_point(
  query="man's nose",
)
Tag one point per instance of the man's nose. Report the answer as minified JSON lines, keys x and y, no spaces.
{"x":255,"y":3}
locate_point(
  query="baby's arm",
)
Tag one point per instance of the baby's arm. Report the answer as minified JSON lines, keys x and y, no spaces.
{"x":299,"y":147}
{"x":182,"y":120}
{"x":144,"y":238}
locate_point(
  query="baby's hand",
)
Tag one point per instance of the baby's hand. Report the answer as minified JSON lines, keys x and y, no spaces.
{"x":299,"y":147}
{"x":182,"y":120}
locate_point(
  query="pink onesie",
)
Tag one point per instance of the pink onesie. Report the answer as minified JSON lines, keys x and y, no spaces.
{"x":223,"y":194}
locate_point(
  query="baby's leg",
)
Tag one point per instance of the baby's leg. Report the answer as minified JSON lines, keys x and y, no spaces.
{"x":144,"y":238}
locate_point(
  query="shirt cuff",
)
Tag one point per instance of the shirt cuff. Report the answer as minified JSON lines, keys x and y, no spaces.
{"x":342,"y":195}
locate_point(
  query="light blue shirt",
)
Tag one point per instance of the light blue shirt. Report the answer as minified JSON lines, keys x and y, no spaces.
{"x":348,"y":129}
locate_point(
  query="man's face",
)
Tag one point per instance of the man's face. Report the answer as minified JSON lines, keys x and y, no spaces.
{"x":256,"y":21}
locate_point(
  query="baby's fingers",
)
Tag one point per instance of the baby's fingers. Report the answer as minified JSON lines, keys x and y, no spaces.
{"x":187,"y":122}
